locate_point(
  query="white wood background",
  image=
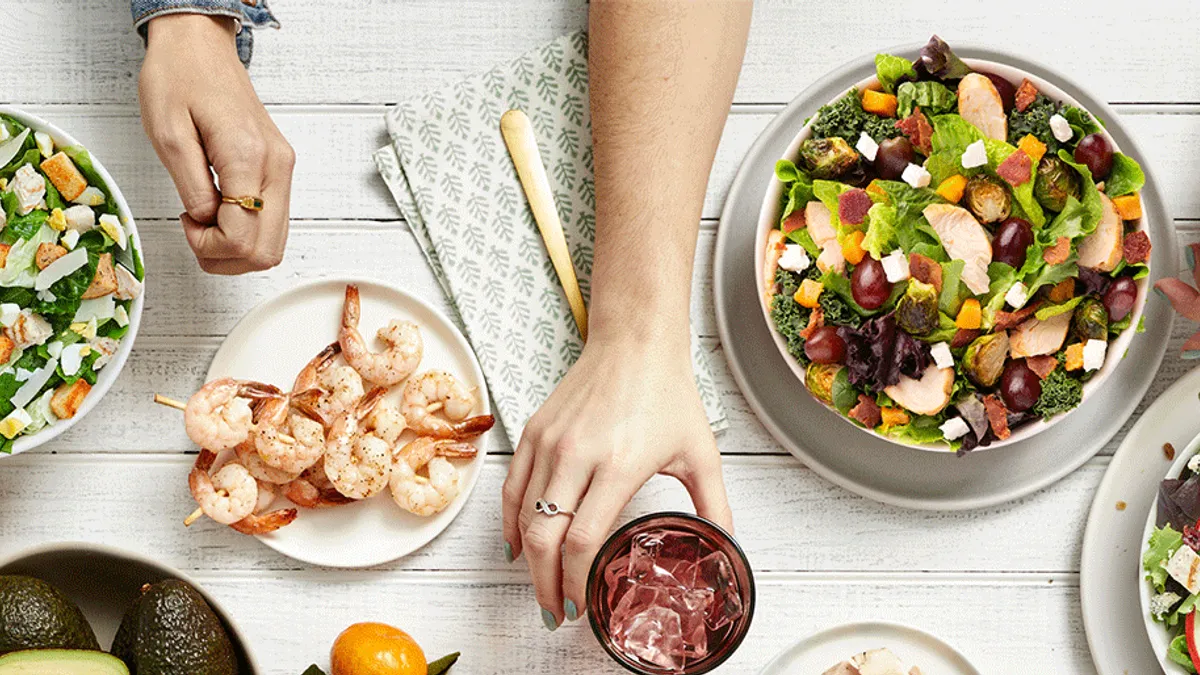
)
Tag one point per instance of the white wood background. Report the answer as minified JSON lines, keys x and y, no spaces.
{"x":1000,"y":583}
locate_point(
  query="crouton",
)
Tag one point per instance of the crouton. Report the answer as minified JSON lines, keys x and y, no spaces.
{"x":105,"y":281}
{"x":65,"y":176}
{"x":48,"y":253}
{"x":68,"y":397}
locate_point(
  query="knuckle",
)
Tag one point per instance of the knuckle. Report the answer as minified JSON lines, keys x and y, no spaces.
{"x":240,"y":248}
{"x":266,"y":260}
{"x":167,"y":139}
{"x":580,"y":540}
{"x":286,"y":155}
{"x":510,"y":493}
{"x":538,"y":541}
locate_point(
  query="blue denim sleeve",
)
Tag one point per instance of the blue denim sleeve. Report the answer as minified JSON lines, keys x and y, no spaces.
{"x":249,"y":14}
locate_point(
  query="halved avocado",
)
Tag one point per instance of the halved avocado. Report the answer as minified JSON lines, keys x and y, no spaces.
{"x":36,"y":615}
{"x":61,"y":662}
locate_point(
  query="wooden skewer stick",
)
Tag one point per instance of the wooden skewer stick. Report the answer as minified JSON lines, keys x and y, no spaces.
{"x":196,"y":515}
{"x":169,"y":402}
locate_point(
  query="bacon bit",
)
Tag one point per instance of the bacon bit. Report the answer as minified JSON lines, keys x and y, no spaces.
{"x":1169,"y":451}
{"x":815,"y":321}
{"x":1137,"y":247}
{"x":964,"y":337}
{"x":918,"y":129}
{"x":1121,"y":506}
{"x":926,"y":270}
{"x":1016,"y":169}
{"x":1026,"y":93}
{"x":867,"y":412}
{"x":853,"y":206}
{"x":1042,"y":365}
{"x":1006,"y":320}
{"x":794,"y":221}
{"x":1058,"y":253}
{"x":997,"y":415}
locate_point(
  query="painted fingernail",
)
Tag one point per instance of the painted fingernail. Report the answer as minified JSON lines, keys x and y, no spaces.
{"x":508,"y":555}
{"x":1191,"y":355}
{"x":570,"y":610}
{"x":1159,"y":291}
{"x":1190,"y":254}
{"x":549,"y":620}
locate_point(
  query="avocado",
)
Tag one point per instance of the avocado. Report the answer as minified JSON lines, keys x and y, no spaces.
{"x":36,"y":615}
{"x":171,"y":630}
{"x":61,"y":662}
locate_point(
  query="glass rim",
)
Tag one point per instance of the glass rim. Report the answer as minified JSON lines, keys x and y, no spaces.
{"x":736,"y":639}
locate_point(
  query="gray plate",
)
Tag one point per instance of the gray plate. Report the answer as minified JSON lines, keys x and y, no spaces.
{"x":871,"y":466}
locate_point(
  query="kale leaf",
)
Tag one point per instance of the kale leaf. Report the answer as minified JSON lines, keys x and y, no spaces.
{"x":1060,"y":393}
{"x":845,"y":118}
{"x":838,"y":312}
{"x":1036,"y":121}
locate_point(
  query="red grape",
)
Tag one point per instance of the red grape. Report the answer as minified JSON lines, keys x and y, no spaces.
{"x":869,"y":284}
{"x":1095,"y":151}
{"x":1008,"y":93}
{"x":825,"y":346}
{"x":1020,"y":387}
{"x":893,"y":157}
{"x":1120,"y":298}
{"x":1012,"y":241}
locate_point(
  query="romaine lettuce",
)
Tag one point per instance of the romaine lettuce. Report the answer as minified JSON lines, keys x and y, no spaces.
{"x":1162,"y":545}
{"x":934,"y":98}
{"x":891,"y":70}
{"x":19,"y":269}
{"x":1126,"y":176}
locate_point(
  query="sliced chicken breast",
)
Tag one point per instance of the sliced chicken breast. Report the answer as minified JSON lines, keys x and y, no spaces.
{"x":775,"y":245}
{"x":843,"y":668}
{"x":820,"y":223}
{"x":964,"y":239}
{"x":1034,"y":337}
{"x":927,"y":395}
{"x":831,"y":258}
{"x":979,"y":103}
{"x":1103,"y":249}
{"x":879,"y":662}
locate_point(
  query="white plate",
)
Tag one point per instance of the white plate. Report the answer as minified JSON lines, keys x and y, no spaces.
{"x":871,"y":466}
{"x":1112,"y":543}
{"x":277,"y":338}
{"x":820,"y":652}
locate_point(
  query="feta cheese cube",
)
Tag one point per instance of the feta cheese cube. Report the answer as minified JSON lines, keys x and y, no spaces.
{"x":121,"y":316}
{"x":69,"y":239}
{"x":794,"y":258}
{"x":895,"y":266}
{"x":867,"y":146}
{"x":1093,"y":354}
{"x":975,"y":155}
{"x":942,"y":358}
{"x":916,"y":176}
{"x":111,"y":225}
{"x":1017,"y":295}
{"x":30,"y":188}
{"x":91,"y":196}
{"x":1193,"y":464}
{"x":80,"y":218}
{"x":1184,"y":567}
{"x":15,"y":423}
{"x":1061,"y":128}
{"x":954,"y":428}
{"x":45,"y":144}
{"x":9,"y":313}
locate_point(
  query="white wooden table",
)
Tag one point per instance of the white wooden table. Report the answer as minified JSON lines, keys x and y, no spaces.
{"x":1002,"y":583}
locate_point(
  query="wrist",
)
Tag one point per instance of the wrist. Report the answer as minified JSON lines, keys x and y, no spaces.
{"x":177,"y":28}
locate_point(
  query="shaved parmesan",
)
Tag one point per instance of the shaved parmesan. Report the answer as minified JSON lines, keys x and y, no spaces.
{"x":101,"y":308}
{"x":34,"y":384}
{"x":60,"y":268}
{"x":72,"y":358}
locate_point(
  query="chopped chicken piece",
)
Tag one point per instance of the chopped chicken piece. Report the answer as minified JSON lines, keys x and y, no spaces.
{"x":1103,"y":249}
{"x":964,"y":239}
{"x":928,"y":395}
{"x":1034,"y":337}
{"x":979,"y":103}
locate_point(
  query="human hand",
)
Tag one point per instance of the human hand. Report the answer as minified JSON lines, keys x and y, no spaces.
{"x":625,"y":411}
{"x":200,"y":109}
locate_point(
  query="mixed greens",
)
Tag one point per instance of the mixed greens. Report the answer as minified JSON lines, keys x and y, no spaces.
{"x":954,"y":252}
{"x":1172,"y":565}
{"x":69,"y":272}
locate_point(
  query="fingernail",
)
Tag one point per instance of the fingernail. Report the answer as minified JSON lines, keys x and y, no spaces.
{"x":508,"y":556}
{"x":549,"y":620}
{"x":1191,"y":257}
{"x":1159,"y":291}
{"x":570,"y":610}
{"x":1191,"y":355}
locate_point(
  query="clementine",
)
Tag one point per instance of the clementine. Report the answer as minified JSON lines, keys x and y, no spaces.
{"x":376,"y":649}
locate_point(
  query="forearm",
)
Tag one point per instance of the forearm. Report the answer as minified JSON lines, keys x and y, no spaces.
{"x":244,"y":14}
{"x":662,"y":77}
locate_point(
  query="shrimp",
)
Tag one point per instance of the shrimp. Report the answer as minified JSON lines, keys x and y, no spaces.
{"x":227,"y":496}
{"x":435,"y":391}
{"x":285,"y":441}
{"x":264,"y":473}
{"x":303,"y":492}
{"x":338,"y":388}
{"x":262,"y":522}
{"x":219,"y":416}
{"x":386,"y":368}
{"x":386,"y":421}
{"x":357,"y":464}
{"x":425,"y":496}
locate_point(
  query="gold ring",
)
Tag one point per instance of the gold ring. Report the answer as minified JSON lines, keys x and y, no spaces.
{"x":249,"y":203}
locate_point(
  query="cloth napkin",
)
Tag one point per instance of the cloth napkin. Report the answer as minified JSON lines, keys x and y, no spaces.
{"x":449,"y":171}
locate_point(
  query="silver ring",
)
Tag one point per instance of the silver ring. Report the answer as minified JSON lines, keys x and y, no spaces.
{"x":550,"y":508}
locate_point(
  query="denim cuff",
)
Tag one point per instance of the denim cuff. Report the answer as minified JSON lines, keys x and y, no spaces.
{"x":247,"y":13}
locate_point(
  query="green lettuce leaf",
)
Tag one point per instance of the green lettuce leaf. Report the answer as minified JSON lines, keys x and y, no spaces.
{"x":881,"y":231}
{"x":953,"y":291}
{"x":1178,"y":653}
{"x":1081,"y":121}
{"x":1162,"y":545}
{"x":891,"y":69}
{"x":83,"y":162}
{"x":19,"y":268}
{"x":1126,"y":176}
{"x":1046,"y":311}
{"x":934,"y":98}
{"x":922,"y":429}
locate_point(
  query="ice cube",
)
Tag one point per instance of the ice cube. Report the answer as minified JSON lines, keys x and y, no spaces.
{"x":643,"y":553}
{"x":714,"y":572}
{"x":636,"y":599}
{"x":655,"y":636}
{"x":692,"y":607}
{"x":684,"y":572}
{"x":678,"y":546}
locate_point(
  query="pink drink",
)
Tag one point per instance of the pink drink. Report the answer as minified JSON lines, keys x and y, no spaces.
{"x":670,"y":593}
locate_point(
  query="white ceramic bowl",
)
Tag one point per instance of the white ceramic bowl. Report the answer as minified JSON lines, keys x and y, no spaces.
{"x":1157,"y":632}
{"x":108,"y":374}
{"x":104,"y":581}
{"x":769,"y":219}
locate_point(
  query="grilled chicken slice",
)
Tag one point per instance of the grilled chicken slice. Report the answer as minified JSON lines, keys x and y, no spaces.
{"x":879,"y":662}
{"x":1103,"y":249}
{"x":964,"y":239}
{"x":1034,"y":337}
{"x":831,"y":258}
{"x":926,"y":396}
{"x":843,"y":668}
{"x":979,"y":103}
{"x":820,"y":226}
{"x":775,"y":245}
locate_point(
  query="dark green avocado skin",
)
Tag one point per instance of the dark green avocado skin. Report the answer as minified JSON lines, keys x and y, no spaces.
{"x":36,"y":615}
{"x":171,"y":630}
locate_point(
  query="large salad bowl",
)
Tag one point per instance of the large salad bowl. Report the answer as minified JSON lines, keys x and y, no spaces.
{"x":930,"y":435}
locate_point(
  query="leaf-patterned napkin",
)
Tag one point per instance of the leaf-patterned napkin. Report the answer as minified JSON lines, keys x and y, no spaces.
{"x":450,"y":173}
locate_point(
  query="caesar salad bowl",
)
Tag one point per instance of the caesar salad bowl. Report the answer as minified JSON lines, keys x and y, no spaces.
{"x":71,"y":281}
{"x":944,"y":326}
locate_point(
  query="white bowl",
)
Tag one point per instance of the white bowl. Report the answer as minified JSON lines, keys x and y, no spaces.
{"x":108,"y":374}
{"x":1157,"y":632}
{"x":104,"y":581}
{"x":768,"y":219}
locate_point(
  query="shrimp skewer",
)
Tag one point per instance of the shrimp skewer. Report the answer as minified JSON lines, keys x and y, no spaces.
{"x":218,"y":416}
{"x":339,"y":387}
{"x":391,"y":366}
{"x":233,"y":497}
{"x":287,"y":441}
{"x":421,"y":495}
{"x":357,"y":464}
{"x":438,"y":391}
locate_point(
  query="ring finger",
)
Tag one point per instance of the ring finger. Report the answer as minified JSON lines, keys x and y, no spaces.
{"x":543,"y":534}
